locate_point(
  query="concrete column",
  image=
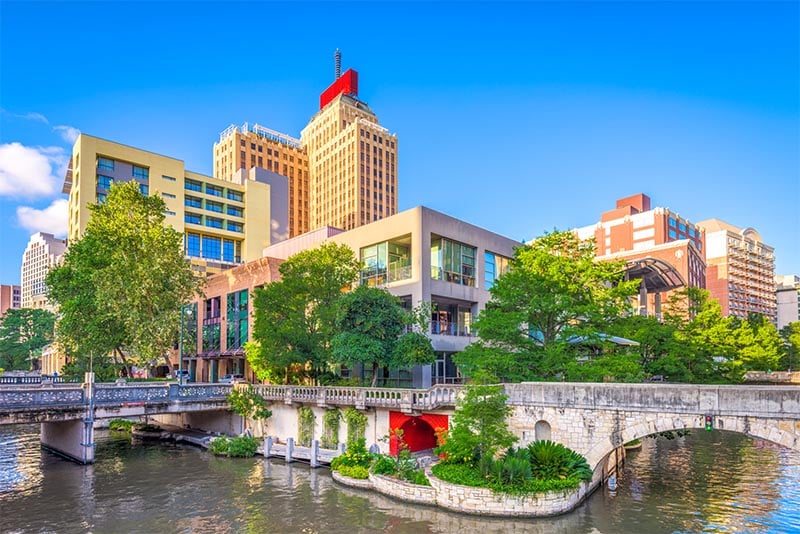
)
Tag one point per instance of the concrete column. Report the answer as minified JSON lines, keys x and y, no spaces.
{"x":267,"y":446}
{"x":73,"y":439}
{"x":315,"y":453}
{"x":289,"y":450}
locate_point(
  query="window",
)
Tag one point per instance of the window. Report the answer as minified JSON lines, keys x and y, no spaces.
{"x":235,"y":212}
{"x":192,"y":202}
{"x":191,"y":185}
{"x":211,"y":247}
{"x":104,"y":182}
{"x":237,"y":319}
{"x":672,"y":234}
{"x":385,"y":262}
{"x":140,"y":172}
{"x":214,"y":206}
{"x":105,"y":164}
{"x":192,"y":218}
{"x":144,"y":189}
{"x":235,"y":227}
{"x":452,"y":262}
{"x":213,"y":190}
{"x":672,"y":222}
{"x":193,"y":245}
{"x":495,"y":265}
{"x":169,"y":213}
{"x":168,"y":178}
{"x":692,"y":231}
{"x":101,"y":198}
{"x":235,"y":196}
{"x":213,"y":222}
{"x":167,"y":195}
{"x":682,"y":227}
{"x":228,"y":251}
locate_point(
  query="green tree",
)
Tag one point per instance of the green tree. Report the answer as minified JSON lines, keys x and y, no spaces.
{"x":23,"y":334}
{"x":705,"y":338}
{"x":758,"y":344}
{"x":294,"y":317}
{"x":790,"y":334}
{"x":553,"y":292}
{"x":479,"y":426}
{"x":122,"y":284}
{"x":371,"y":326}
{"x":245,"y":401}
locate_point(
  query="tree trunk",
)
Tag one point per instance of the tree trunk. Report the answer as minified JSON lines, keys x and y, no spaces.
{"x":374,"y":373}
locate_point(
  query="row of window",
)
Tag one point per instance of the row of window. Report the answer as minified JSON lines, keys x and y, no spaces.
{"x":213,"y":248}
{"x":213,"y":190}
{"x":213,"y":222}
{"x":106,"y":164}
{"x":210,"y":205}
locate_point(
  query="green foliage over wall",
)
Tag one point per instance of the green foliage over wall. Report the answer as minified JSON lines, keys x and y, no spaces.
{"x":330,"y":429}
{"x":356,"y":424}
{"x":305,"y":426}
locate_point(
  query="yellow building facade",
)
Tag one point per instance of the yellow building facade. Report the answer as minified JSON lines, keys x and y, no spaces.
{"x":254,"y":146}
{"x":224,"y":222}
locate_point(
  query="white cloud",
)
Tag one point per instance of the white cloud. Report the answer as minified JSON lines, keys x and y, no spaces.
{"x":52,"y":219}
{"x":67,"y":133}
{"x":35,"y":117}
{"x":28,"y":172}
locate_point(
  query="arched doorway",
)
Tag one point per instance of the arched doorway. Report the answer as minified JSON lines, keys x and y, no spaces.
{"x":419,"y":432}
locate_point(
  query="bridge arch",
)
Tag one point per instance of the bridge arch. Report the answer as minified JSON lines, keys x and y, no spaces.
{"x":786,"y":433}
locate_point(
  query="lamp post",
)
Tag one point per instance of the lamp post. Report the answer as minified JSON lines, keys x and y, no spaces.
{"x":180,"y":350}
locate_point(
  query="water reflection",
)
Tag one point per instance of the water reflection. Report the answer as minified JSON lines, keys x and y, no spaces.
{"x":712,"y":481}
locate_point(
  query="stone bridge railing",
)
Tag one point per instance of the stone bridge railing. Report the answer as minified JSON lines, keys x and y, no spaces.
{"x":41,"y":397}
{"x":746,"y":400}
{"x":407,"y":400}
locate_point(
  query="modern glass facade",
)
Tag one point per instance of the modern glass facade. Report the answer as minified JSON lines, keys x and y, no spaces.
{"x":385,"y":262}
{"x":452,"y":261}
{"x":237,"y":320}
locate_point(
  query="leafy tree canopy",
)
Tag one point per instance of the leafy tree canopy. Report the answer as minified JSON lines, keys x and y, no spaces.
{"x":371,"y":326}
{"x":553,"y":292}
{"x":23,"y":334}
{"x":295,"y":316}
{"x":122,"y":284}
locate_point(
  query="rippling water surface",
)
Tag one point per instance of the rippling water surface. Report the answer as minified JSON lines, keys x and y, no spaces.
{"x":707,"y":481}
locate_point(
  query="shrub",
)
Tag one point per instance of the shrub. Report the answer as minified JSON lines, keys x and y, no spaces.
{"x":219,"y":446}
{"x":330,"y":428}
{"x":122,"y":425}
{"x":242,"y":446}
{"x":384,"y":465}
{"x":551,"y":460}
{"x":356,"y":454}
{"x":419,"y":478}
{"x":353,"y":471}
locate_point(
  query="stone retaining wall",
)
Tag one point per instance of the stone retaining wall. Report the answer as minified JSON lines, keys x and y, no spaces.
{"x":405,"y":491}
{"x":470,"y":500}
{"x":483,"y":501}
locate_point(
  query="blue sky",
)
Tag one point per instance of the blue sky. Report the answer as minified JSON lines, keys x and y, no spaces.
{"x":518,"y":117}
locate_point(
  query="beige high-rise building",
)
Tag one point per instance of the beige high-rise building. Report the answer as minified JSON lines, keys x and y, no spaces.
{"x":342,"y":172}
{"x":741,"y":270}
{"x":352,"y":160}
{"x":43,"y":253}
{"x":255,"y":146}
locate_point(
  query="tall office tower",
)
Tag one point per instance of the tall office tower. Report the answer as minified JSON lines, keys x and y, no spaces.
{"x":352,"y":159}
{"x":10,"y":298}
{"x":662,"y":248}
{"x":43,"y":253}
{"x":224,"y":222}
{"x":788,"y":297}
{"x":254,"y":146}
{"x":741,"y":270}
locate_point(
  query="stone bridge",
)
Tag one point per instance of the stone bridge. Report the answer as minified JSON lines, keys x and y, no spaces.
{"x":593,"y":419}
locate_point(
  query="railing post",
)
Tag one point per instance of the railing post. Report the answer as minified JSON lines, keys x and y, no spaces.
{"x":267,"y":446}
{"x":287,"y":396}
{"x":321,"y":397}
{"x":289,"y":450}
{"x":314,"y":460}
{"x":361,"y":399}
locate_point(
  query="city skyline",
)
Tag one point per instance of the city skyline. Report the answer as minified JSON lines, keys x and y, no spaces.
{"x":518,"y":118}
